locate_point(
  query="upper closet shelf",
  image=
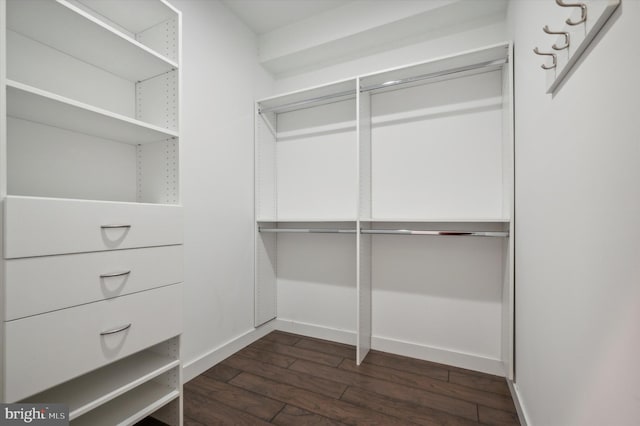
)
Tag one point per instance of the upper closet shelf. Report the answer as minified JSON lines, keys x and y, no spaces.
{"x":306,"y":220}
{"x":28,"y":103}
{"x":307,"y":98}
{"x":467,"y":63}
{"x":69,"y":29}
{"x":133,"y":16}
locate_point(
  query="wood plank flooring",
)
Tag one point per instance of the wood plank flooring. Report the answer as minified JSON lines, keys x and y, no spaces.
{"x":286,"y":379}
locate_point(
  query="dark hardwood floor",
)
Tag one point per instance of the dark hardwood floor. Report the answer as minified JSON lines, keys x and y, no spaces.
{"x":286,"y":379}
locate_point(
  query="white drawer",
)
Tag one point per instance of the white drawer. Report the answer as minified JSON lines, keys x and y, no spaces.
{"x":41,"y":284}
{"x":45,"y":226}
{"x":45,"y":350}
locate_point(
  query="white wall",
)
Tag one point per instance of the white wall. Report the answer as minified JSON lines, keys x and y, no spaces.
{"x":221,"y":78}
{"x":470,"y":35}
{"x":578,"y":226}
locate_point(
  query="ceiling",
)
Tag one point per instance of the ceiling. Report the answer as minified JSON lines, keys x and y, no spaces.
{"x":263,"y":16}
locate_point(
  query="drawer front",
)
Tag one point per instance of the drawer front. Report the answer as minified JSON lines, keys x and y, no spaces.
{"x":45,"y":350}
{"x":41,"y":284}
{"x":45,"y":226}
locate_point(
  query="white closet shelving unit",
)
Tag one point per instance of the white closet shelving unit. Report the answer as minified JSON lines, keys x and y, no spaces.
{"x":305,"y":179}
{"x":384,"y":210}
{"x":92,"y":234}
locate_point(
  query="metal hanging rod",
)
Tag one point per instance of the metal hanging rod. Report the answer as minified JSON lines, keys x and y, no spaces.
{"x":443,"y":233}
{"x":154,"y":76}
{"x":308,"y":230}
{"x":352,"y":93}
{"x":434,"y":75}
{"x":346,"y":94}
{"x":384,"y":231}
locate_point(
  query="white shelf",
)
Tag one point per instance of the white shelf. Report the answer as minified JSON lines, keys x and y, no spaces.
{"x":101,"y":386}
{"x":32,"y":104}
{"x":134,"y":16}
{"x":67,"y":28}
{"x":130,"y":407}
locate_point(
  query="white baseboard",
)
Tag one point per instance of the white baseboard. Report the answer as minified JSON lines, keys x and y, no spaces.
{"x":413,"y":350}
{"x":201,"y":364}
{"x":439,"y":355}
{"x":317,"y":331}
{"x":207,"y":360}
{"x":517,"y":401}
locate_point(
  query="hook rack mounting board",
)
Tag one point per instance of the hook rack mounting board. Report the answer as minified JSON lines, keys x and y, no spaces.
{"x":598,"y":13}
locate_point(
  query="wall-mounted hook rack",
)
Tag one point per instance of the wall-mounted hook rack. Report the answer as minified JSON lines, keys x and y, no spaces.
{"x":587,"y":19}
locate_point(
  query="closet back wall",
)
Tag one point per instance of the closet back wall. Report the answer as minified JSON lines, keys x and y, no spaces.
{"x":392,"y":294}
{"x":221,"y":79}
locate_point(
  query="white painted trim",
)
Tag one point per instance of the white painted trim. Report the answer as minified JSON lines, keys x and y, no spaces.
{"x":517,"y":401}
{"x":413,"y":350}
{"x":317,"y":331}
{"x":439,"y":355}
{"x":199,"y":365}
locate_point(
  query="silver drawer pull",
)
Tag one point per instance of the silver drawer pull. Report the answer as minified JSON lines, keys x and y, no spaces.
{"x":115,"y":226}
{"x":116,"y":330}
{"x":115,"y":274}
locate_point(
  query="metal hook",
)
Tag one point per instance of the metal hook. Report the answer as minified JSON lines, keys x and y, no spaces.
{"x":553,"y":55}
{"x":583,"y":11}
{"x":564,"y":33}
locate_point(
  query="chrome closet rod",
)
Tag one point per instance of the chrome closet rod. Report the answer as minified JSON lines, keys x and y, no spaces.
{"x":443,"y":233}
{"x":308,"y":230}
{"x":434,"y":75}
{"x":384,"y":231}
{"x":350,"y":93}
{"x":309,"y":101}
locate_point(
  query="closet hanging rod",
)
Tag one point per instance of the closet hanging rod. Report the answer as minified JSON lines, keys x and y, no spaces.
{"x":308,"y":230}
{"x":432,"y":75}
{"x":348,"y":94}
{"x":443,"y":233}
{"x":384,"y":231}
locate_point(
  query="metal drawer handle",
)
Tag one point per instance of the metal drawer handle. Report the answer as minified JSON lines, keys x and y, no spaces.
{"x":116,"y":330}
{"x":115,"y":274}
{"x":114,"y":226}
